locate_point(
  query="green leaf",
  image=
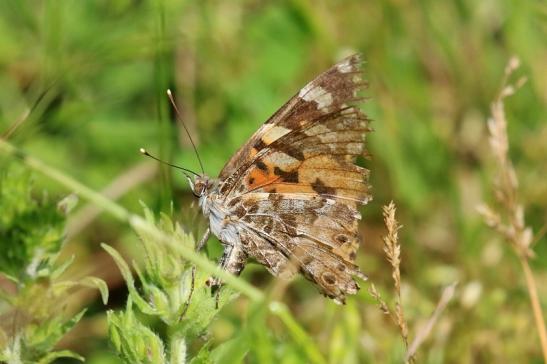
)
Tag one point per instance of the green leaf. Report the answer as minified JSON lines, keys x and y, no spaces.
{"x":135,"y":342}
{"x":49,"y":358}
{"x":31,"y":229}
{"x":98,"y":283}
{"x":31,"y":236}
{"x":43,"y":337}
{"x":91,"y":282}
{"x":232,"y":351}
{"x":203,"y":356}
{"x":128,"y":277}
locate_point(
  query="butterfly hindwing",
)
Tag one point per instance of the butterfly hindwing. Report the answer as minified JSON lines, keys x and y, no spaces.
{"x":317,"y":234}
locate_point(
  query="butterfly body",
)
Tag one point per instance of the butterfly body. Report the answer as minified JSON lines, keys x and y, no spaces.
{"x":289,"y":197}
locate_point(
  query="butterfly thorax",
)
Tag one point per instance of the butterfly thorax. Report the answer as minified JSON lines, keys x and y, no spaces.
{"x":213,"y":208}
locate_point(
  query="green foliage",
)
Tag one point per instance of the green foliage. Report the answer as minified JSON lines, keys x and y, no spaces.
{"x":133,"y":340}
{"x":31,"y":234}
{"x":171,"y":290}
{"x":31,"y":228}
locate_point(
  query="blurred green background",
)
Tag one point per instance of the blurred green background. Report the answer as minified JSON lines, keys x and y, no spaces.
{"x":94,"y":74}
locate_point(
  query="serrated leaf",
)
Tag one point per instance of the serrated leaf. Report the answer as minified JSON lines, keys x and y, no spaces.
{"x":98,"y":283}
{"x":128,"y":277}
{"x":43,"y":337}
{"x":134,"y":341}
{"x":31,"y":229}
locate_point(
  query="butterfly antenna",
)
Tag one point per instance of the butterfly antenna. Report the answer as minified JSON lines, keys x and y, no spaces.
{"x":143,"y":151}
{"x":172,"y":99}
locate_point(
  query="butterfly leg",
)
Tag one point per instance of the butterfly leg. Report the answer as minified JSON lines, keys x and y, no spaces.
{"x":203,"y":239}
{"x":200,"y":246}
{"x":232,"y":261}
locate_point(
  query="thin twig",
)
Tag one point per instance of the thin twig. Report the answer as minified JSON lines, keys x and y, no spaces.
{"x":446,"y":297}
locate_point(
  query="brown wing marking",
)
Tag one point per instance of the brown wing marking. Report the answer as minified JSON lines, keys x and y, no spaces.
{"x":333,"y":275}
{"x":330,"y":92}
{"x":267,"y":254}
{"x":319,"y":235}
{"x":317,"y":159}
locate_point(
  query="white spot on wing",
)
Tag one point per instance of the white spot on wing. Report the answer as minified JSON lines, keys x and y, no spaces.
{"x":344,"y":67}
{"x":282,"y":160}
{"x":274,"y":133}
{"x":322,"y":97}
{"x":305,"y":90}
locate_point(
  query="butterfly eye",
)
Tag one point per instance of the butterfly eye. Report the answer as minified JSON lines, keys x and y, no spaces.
{"x":200,"y":186}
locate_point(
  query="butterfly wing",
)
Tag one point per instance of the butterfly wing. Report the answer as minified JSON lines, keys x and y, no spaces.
{"x":295,"y":188}
{"x":331,"y":91}
{"x":315,"y":234}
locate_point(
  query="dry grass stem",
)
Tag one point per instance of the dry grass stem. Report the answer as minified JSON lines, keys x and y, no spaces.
{"x":446,"y":297}
{"x":392,"y":250}
{"x":391,"y":244}
{"x":393,"y":254}
{"x":125,"y":182}
{"x":508,"y":220}
{"x":381,"y":303}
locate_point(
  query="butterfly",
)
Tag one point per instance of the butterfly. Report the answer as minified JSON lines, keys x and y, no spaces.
{"x":289,"y":197}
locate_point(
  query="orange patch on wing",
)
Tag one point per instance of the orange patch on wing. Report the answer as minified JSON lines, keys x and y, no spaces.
{"x":258,"y":177}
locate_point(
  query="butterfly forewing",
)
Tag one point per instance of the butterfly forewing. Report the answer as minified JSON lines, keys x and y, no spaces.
{"x":332,"y":91}
{"x":293,"y":189}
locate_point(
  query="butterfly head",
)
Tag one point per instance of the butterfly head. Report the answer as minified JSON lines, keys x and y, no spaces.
{"x":200,"y":185}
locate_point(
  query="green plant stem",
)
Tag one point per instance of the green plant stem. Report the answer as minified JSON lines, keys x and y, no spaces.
{"x":82,"y":190}
{"x":177,"y":349}
{"x":536,"y":307}
{"x":298,"y":334}
{"x":137,"y":222}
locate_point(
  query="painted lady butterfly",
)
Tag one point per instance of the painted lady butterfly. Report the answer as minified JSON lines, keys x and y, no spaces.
{"x":289,"y":197}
